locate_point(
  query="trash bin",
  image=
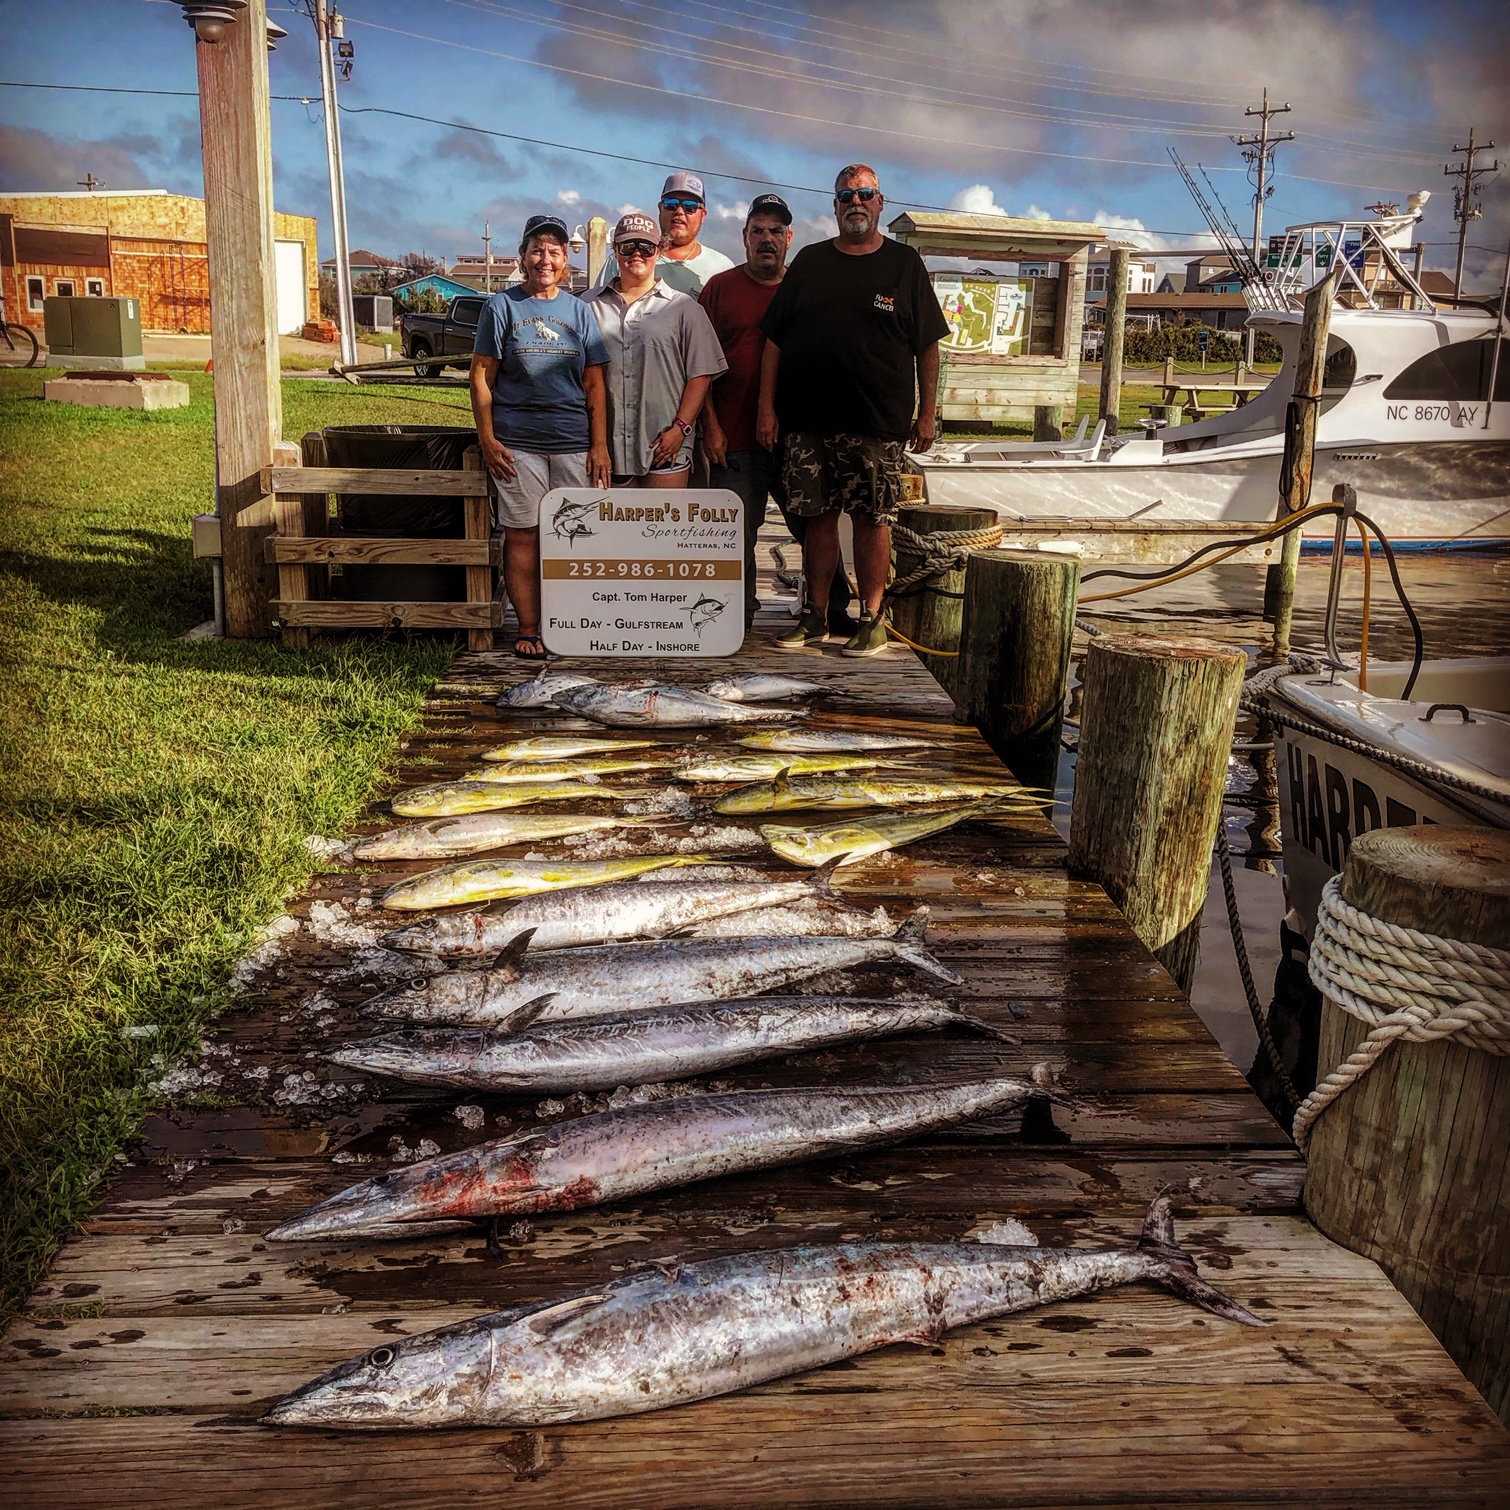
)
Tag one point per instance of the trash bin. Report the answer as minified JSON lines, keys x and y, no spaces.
{"x":439,"y":448}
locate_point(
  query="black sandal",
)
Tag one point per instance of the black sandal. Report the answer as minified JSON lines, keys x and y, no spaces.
{"x":538,"y":654}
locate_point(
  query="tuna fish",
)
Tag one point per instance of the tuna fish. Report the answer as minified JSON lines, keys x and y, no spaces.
{"x":444,"y":838}
{"x":657,"y":1145}
{"x":754,"y":767}
{"x":669,"y":1334}
{"x":516,"y":773}
{"x":764,"y":687}
{"x":659,"y":706}
{"x":450,"y":799}
{"x":831,"y":741}
{"x":643,"y":1047}
{"x":852,"y":790}
{"x":488,"y":880}
{"x":604,"y":914}
{"x":856,"y":838}
{"x":612,"y":978}
{"x":563,"y":747}
{"x":540,"y":690}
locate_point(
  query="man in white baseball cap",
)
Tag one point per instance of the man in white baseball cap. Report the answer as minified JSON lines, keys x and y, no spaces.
{"x":685,"y":264}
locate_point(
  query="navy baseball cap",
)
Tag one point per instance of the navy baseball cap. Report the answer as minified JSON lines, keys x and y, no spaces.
{"x":770,"y":204}
{"x":546,"y":225}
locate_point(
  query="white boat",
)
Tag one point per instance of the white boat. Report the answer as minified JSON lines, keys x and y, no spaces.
{"x":1405,"y":417}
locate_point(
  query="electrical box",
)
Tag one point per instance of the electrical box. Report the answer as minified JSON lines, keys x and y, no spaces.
{"x":90,"y":332}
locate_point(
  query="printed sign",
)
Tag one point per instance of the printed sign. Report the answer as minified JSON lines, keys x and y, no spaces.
{"x":984,"y":315}
{"x":641,"y":571}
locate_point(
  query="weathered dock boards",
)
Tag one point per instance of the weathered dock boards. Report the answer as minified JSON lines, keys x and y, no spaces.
{"x":137,"y":1373}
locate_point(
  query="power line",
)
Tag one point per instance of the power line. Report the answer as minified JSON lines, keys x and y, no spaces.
{"x":1466,"y":196}
{"x":1258,"y":153}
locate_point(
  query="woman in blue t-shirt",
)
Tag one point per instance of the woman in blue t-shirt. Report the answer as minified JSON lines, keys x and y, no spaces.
{"x":538,"y":398}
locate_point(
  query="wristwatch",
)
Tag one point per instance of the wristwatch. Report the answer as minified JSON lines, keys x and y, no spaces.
{"x":681,"y":425}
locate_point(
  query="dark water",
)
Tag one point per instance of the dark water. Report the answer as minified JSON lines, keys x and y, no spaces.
{"x":1463,"y":602}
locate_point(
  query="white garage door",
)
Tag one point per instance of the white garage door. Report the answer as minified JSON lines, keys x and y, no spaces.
{"x":293,"y":298}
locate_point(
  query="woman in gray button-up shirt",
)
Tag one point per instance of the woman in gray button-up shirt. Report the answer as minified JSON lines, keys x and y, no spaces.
{"x":662,"y":356}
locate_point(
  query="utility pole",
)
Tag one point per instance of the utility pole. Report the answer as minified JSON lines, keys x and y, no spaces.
{"x":487,"y":257}
{"x":90,"y":182}
{"x":346,"y":320}
{"x":1465,"y":197}
{"x":1258,"y":152}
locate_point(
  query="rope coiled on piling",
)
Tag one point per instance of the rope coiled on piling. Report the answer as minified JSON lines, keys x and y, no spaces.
{"x":945,"y":551}
{"x":1404,"y":984}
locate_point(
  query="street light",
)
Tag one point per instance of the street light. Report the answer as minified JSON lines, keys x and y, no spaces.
{"x":577,"y":239}
{"x":209,"y":18}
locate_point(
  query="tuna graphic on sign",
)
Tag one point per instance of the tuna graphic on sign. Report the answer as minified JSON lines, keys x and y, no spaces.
{"x":704,"y":612}
{"x":569,"y":522}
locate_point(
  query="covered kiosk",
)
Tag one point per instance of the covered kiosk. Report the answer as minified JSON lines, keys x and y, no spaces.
{"x":1015,"y":303}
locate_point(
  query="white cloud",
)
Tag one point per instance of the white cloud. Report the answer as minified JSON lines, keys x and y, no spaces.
{"x":569,"y":197}
{"x":1132,"y":232}
{"x":736,"y":211}
{"x":1037,"y":212}
{"x":977,"y":199}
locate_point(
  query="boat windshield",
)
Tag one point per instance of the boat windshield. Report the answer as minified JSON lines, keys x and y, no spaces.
{"x":1459,"y":372}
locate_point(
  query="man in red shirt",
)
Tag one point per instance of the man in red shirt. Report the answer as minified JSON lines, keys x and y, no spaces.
{"x":736,"y":302}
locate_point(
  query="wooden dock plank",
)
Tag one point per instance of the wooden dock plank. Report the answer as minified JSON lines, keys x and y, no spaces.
{"x":140,"y":1364}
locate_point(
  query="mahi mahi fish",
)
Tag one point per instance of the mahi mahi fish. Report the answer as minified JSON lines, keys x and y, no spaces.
{"x":764,"y":687}
{"x":643,"y":1047}
{"x":540,"y":690}
{"x":515,"y":773}
{"x":753,"y":767}
{"x":660,"y":706}
{"x":545,"y":747}
{"x":603,"y":914}
{"x":830,"y":741}
{"x":610,"y":1156}
{"x":856,"y":838}
{"x":610,"y":978}
{"x":445,"y":838}
{"x":852,"y":790}
{"x":451,"y":799}
{"x":492,"y":880}
{"x":672,"y":1333}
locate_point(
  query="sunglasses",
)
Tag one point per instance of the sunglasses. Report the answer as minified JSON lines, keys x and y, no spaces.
{"x":636,"y":249}
{"x":848,"y":196}
{"x":673,"y":203}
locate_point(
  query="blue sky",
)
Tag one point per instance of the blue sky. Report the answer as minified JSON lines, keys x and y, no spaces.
{"x":1063,"y":107}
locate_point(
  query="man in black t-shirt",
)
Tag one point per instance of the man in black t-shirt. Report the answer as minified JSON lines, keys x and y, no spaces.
{"x":851,"y":348}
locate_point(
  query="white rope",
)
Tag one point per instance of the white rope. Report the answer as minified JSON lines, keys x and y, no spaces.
{"x":1405,"y":985}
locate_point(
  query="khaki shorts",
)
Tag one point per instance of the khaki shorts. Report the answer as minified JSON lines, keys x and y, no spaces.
{"x":856,"y":473}
{"x":535,"y":474}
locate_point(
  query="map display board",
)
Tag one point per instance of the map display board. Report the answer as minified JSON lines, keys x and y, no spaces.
{"x":986,"y":316}
{"x":642,"y":571}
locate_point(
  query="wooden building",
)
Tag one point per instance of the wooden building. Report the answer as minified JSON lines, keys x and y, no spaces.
{"x":144,"y":243}
{"x":1015,"y":313}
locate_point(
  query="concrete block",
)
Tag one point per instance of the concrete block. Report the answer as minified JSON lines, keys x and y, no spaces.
{"x":114,"y":394}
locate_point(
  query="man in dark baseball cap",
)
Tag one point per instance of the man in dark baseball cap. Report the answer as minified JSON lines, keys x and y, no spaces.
{"x":769,"y":204}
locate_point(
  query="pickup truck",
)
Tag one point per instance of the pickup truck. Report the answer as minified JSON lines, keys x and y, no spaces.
{"x":451,"y":334}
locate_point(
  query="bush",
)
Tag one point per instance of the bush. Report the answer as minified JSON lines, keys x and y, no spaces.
{"x":1182,"y":342}
{"x":421,"y":301}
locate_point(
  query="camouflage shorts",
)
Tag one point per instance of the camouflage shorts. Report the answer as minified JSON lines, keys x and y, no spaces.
{"x":856,"y":473}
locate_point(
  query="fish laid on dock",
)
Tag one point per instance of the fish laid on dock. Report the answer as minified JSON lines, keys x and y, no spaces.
{"x":657,"y":1145}
{"x":494,"y":880}
{"x":602,"y":914}
{"x":798,"y":920}
{"x":588,"y":767}
{"x":663,"y":706}
{"x":753,"y":767}
{"x":856,"y":838}
{"x":667,"y":1335}
{"x":612,"y":978}
{"x":540,"y":691}
{"x":448,"y":838}
{"x":549,"y":747}
{"x":851,"y":790}
{"x":643,"y":1047}
{"x":831,"y":741}
{"x":765,"y":687}
{"x":451,"y":799}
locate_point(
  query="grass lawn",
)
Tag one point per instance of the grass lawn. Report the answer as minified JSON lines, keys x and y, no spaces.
{"x":154,"y":794}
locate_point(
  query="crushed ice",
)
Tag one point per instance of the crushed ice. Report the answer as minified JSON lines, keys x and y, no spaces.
{"x":338,"y":850}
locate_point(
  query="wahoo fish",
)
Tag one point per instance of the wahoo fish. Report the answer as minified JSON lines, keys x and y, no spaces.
{"x":450,"y":799}
{"x":798,"y":920}
{"x":764,"y":767}
{"x":657,"y":1145}
{"x":830,"y":741}
{"x":602,"y":981}
{"x":444,"y":838}
{"x":644,"y":1047}
{"x":602,"y":914}
{"x":826,"y":791}
{"x":657,"y":705}
{"x":765,"y":687}
{"x":665,"y":1335}
{"x":541,"y":689}
{"x":523,"y":772}
{"x":547,"y":747}
{"x":858,"y":837}
{"x":489,"y":880}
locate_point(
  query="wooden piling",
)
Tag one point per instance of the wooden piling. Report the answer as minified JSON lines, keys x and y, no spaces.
{"x":597,"y":248}
{"x":930,"y":614}
{"x":1408,"y":1165}
{"x":1116,"y":331}
{"x":1013,"y":667}
{"x":1048,"y":422}
{"x":1155,"y":736}
{"x":1299,"y":455}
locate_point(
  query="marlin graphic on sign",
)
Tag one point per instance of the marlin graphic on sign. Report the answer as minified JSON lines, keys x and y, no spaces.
{"x":569,"y":522}
{"x":704,"y":612}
